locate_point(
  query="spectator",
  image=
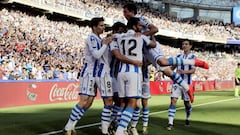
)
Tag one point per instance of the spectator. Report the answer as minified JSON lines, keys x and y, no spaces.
{"x":237,"y":79}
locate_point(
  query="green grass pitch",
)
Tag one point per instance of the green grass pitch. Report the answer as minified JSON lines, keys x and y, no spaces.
{"x":214,"y":113}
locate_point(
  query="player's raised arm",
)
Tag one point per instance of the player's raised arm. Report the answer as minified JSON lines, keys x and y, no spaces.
{"x":150,"y":43}
{"x":130,"y":10}
{"x":152,"y":30}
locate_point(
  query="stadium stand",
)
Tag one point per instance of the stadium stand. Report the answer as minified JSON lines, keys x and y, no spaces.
{"x":36,"y":47}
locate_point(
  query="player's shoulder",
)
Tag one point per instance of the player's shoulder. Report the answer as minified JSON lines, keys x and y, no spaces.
{"x":140,"y":17}
{"x":179,"y":55}
{"x":92,"y":37}
{"x":192,"y":56}
{"x":144,"y":36}
{"x":117,"y":35}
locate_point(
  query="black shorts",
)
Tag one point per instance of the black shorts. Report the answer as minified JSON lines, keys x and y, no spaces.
{"x":238,"y":81}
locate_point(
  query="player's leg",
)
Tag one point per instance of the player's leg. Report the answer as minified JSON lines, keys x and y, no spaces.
{"x":175,"y":77}
{"x":175,"y":93}
{"x":135,"y":119}
{"x":116,"y":100}
{"x":87,"y":94}
{"x":105,"y":86}
{"x":132,"y":88}
{"x":237,"y":87}
{"x":115,"y":109}
{"x":145,"y":116}
{"x":188,"y":107}
{"x":106,"y":114}
{"x":145,"y":110}
{"x":179,"y":61}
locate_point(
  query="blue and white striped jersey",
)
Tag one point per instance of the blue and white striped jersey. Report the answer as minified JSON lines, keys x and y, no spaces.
{"x":104,"y":62}
{"x":144,"y":22}
{"x":114,"y":61}
{"x":132,"y":47}
{"x":153,"y":54}
{"x":186,"y":77}
{"x":93,"y":53}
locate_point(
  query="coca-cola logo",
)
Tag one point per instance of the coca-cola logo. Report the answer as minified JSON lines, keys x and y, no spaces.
{"x":68,"y":93}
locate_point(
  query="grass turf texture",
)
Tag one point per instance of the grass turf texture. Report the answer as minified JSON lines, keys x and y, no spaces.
{"x":214,"y":113}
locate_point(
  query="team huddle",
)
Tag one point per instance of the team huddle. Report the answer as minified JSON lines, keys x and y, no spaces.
{"x":117,"y":66}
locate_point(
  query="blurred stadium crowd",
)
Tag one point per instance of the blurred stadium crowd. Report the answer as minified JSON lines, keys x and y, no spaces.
{"x":34,"y":47}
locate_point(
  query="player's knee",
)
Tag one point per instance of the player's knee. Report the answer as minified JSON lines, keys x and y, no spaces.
{"x":83,"y":104}
{"x":173,"y":101}
{"x":163,"y":62}
{"x":168,"y":72}
{"x":108,"y":101}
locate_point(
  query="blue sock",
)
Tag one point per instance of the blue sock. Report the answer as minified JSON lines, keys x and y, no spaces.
{"x":135,"y":118}
{"x":125,"y":118}
{"x":77,"y":113}
{"x":171,"y":114}
{"x":188,"y":112}
{"x":176,"y":61}
{"x":145,"y":117}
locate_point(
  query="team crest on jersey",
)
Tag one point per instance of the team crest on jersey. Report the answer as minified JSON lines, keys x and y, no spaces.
{"x":93,"y":42}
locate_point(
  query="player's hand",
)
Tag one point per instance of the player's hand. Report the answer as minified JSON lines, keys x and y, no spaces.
{"x":107,"y":40}
{"x":137,"y":63}
{"x":180,"y":71}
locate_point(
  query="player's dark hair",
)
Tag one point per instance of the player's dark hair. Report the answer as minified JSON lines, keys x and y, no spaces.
{"x":131,"y":7}
{"x":95,"y":21}
{"x":133,"y":21}
{"x":190,"y":41}
{"x":116,"y":26}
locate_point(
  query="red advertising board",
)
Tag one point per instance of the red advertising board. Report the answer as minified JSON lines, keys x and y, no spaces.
{"x":32,"y":93}
{"x":29,"y":93}
{"x":163,"y":87}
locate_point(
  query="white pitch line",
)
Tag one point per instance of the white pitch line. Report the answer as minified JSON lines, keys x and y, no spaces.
{"x":209,"y":103}
{"x":79,"y":127}
{"x":153,"y":113}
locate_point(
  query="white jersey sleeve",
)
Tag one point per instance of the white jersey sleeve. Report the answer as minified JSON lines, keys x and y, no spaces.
{"x":146,"y":40}
{"x":114,"y":44}
{"x":144,"y":22}
{"x":95,"y":46}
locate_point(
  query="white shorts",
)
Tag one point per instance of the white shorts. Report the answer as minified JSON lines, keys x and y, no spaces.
{"x":105,"y":85}
{"x":177,"y":91}
{"x":115,"y":86}
{"x":153,"y":54}
{"x":146,"y":90}
{"x":130,"y":84}
{"x":88,"y":85}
